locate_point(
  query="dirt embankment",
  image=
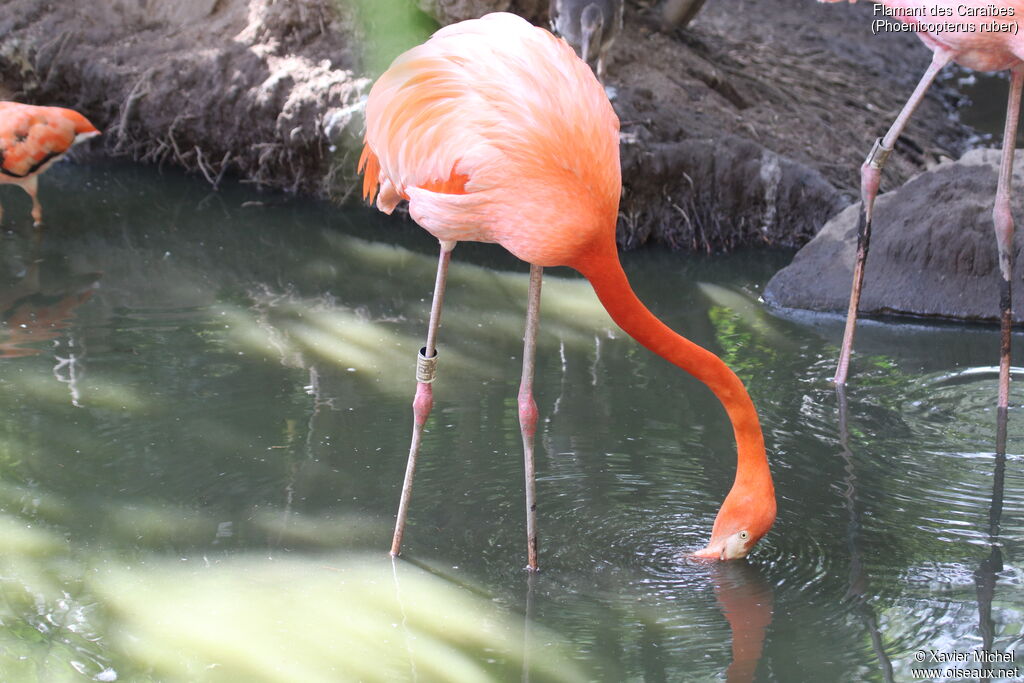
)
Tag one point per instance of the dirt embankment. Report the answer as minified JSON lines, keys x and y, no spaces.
{"x":745,"y":128}
{"x":215,"y":86}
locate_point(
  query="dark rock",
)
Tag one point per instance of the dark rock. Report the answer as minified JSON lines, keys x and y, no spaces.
{"x":933,"y":249}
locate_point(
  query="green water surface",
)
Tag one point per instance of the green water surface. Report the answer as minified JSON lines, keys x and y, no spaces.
{"x":204,"y":418}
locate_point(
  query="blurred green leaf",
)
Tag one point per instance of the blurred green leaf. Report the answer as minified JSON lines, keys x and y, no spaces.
{"x":390,"y":27}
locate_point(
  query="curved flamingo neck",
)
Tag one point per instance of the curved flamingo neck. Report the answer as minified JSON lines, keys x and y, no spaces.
{"x":604,"y":271}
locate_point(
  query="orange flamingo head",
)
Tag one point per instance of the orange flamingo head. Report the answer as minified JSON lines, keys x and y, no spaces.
{"x":744,"y":518}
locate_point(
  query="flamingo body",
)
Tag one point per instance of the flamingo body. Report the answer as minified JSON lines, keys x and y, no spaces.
{"x":33,"y":138}
{"x":484,"y":154}
{"x":495,"y":131}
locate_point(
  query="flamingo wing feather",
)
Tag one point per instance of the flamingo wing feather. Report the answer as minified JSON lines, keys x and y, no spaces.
{"x":31,"y":137}
{"x":464,"y":114}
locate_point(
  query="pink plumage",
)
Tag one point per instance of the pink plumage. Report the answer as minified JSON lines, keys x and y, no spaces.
{"x":484,"y":154}
{"x":495,"y":131}
{"x":32,"y":138}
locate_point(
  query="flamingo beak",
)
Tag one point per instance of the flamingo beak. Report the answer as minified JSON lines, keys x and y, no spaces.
{"x":588,"y":39}
{"x":714,"y":551}
{"x":592,"y":33}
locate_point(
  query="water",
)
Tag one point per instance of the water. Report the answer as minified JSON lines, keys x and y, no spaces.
{"x":984,"y":106}
{"x":205,"y":417}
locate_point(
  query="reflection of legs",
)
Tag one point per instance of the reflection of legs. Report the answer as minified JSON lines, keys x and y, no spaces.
{"x":985,"y":576}
{"x":421,"y":405}
{"x":870,"y":179}
{"x":528,"y":644}
{"x":1003,"y":221}
{"x":528,"y":413}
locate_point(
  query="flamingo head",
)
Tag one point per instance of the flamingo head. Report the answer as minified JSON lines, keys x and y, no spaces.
{"x":83,"y":128}
{"x":592,"y":25}
{"x":745,"y":517}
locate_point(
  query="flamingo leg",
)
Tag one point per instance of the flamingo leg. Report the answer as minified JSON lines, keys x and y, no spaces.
{"x":1003,"y":220}
{"x":31,"y":186}
{"x":528,"y":412}
{"x":426,"y":364}
{"x":870,"y":179}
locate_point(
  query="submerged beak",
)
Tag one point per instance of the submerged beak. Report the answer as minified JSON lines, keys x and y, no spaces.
{"x":714,"y":551}
{"x":734,"y":547}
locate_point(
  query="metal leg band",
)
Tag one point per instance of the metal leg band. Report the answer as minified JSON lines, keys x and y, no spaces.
{"x":878,"y":155}
{"x":426,"y":368}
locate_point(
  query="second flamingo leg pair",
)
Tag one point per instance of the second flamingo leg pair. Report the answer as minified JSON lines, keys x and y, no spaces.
{"x":871,"y":173}
{"x":424,"y":401}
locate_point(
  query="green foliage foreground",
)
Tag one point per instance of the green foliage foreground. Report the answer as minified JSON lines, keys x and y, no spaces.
{"x":68,"y":616}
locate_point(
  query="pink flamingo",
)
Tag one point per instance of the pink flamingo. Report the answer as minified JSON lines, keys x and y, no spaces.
{"x":980,"y":48}
{"x":33,"y":138}
{"x":495,"y":131}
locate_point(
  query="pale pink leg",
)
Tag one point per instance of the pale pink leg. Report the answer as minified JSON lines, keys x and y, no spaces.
{"x":870,"y":179}
{"x":31,"y":185}
{"x":1003,"y":221}
{"x":528,"y":413}
{"x":424,"y":401}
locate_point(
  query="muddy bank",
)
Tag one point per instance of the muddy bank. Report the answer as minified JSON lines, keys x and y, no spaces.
{"x":215,"y":86}
{"x":744,"y":129}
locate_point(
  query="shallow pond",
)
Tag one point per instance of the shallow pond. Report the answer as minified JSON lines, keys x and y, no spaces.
{"x":205,"y":418}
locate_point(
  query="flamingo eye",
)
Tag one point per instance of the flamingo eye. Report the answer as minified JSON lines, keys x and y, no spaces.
{"x":744,"y":535}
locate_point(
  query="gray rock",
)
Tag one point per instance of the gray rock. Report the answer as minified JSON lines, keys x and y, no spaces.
{"x":933,"y":250}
